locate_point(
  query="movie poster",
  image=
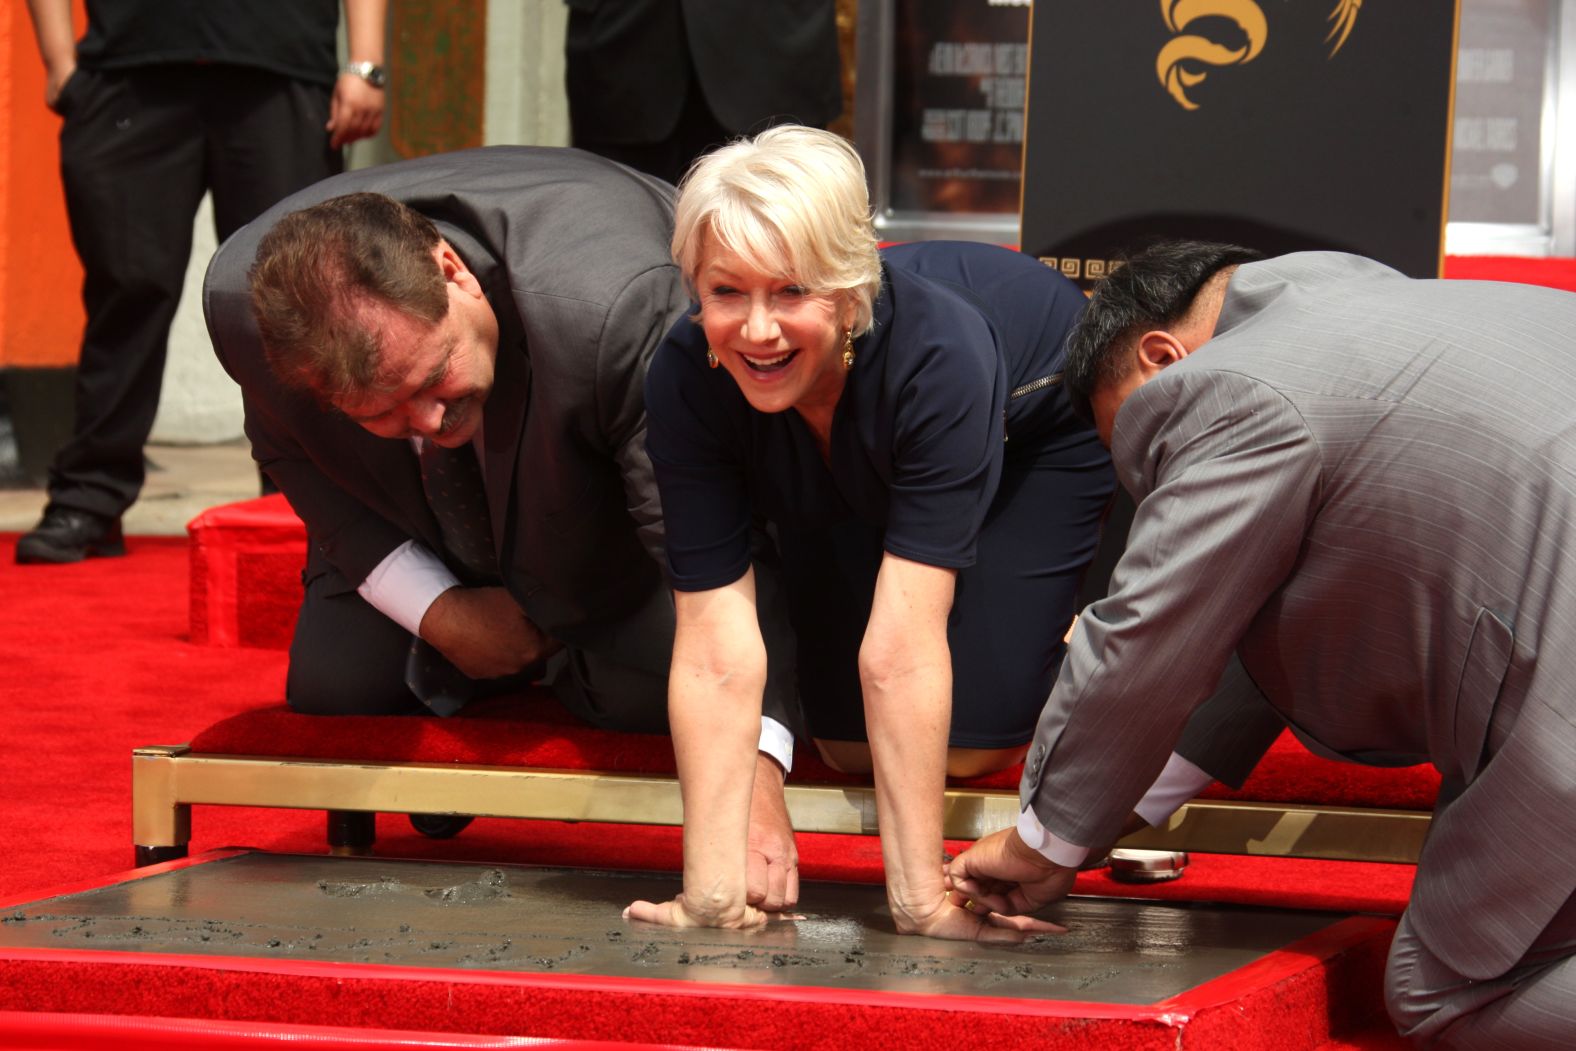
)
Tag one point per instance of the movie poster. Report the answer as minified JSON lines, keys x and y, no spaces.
{"x":958,"y":105}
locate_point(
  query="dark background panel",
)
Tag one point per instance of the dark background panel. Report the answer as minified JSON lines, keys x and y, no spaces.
{"x":1295,"y":149}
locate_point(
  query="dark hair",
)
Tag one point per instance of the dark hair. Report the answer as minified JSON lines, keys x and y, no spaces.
{"x":1154,"y":288}
{"x":319,"y":268}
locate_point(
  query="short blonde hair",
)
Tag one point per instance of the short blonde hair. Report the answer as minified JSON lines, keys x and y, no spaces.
{"x":791,"y":201}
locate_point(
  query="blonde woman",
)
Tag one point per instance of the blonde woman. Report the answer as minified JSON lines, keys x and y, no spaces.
{"x":897,"y":418}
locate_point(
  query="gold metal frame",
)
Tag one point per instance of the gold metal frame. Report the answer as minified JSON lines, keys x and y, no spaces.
{"x":167,"y":779}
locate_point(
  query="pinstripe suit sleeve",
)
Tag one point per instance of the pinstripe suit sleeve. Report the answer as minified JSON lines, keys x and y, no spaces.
{"x":1226,"y":476}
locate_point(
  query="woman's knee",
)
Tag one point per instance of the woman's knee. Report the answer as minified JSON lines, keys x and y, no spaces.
{"x":853,"y":757}
{"x":977,"y":762}
{"x":846,"y":757}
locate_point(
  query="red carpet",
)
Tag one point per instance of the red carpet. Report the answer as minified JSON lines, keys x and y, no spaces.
{"x":1289,"y":999}
{"x":97,"y":659}
{"x":53,"y":1031}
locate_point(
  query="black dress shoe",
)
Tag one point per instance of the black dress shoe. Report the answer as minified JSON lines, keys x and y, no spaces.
{"x":65,"y":534}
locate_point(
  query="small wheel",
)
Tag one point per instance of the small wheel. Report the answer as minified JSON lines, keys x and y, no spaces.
{"x":440,"y":826}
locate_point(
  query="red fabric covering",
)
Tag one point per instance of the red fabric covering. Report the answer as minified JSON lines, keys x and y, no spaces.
{"x":1555,"y":273}
{"x":48,"y":1031}
{"x":94,"y":661}
{"x":1300,"y":883}
{"x":1289,"y":773}
{"x":246,"y":561}
{"x":1293,"y":999}
{"x":525,"y":730}
{"x":716,"y":1017}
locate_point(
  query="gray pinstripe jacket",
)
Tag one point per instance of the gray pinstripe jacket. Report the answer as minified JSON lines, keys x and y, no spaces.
{"x":1363,"y":488}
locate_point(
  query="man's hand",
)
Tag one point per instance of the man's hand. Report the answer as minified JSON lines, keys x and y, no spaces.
{"x":773,"y":858}
{"x":355,"y":112}
{"x":57,"y":44}
{"x":1003,"y":874}
{"x":55,"y":82}
{"x":484,"y":632}
{"x":946,"y":918}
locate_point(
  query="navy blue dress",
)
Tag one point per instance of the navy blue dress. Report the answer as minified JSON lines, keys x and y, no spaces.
{"x":952,"y":445}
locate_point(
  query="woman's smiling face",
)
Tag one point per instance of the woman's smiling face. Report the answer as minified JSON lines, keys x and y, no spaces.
{"x":781,"y":343}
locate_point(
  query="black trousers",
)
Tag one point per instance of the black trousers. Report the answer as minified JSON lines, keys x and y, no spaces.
{"x":137,"y":152}
{"x":348,"y":659}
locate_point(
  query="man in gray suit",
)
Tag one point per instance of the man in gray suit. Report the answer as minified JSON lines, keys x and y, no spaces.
{"x":489,"y":314}
{"x":1355,"y":495}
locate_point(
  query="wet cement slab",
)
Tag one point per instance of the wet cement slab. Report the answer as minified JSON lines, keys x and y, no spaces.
{"x":517,"y":918}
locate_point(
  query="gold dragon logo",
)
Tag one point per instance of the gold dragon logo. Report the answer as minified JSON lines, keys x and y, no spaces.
{"x":1179,"y":65}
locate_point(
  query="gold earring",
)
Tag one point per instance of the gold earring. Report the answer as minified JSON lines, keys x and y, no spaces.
{"x":711,"y":357}
{"x":848,"y":348}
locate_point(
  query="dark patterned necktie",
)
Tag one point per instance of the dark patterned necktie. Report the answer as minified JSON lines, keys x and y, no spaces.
{"x":452,"y":482}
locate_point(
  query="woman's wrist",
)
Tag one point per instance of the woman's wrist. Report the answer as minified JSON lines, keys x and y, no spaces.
{"x":719,"y":906}
{"x":913,"y":903}
{"x":917,"y":918}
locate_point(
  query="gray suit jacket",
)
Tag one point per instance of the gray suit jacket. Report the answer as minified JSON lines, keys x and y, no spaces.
{"x":572,"y":251}
{"x":1364,"y":488}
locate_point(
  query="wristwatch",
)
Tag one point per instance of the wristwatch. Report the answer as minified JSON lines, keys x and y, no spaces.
{"x":370,"y":72}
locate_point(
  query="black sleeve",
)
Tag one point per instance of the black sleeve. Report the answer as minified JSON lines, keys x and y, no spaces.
{"x":696,"y":453}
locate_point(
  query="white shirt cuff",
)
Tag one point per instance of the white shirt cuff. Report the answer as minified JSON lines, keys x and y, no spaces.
{"x":406,"y":583}
{"x":777,"y":742}
{"x":1179,"y":782}
{"x":1050,"y":845}
{"x":410,"y":579}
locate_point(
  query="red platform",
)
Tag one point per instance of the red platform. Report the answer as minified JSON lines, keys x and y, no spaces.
{"x":246,"y":562}
{"x":1298,"y":996}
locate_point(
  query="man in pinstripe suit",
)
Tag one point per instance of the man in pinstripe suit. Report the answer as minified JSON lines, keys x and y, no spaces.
{"x":1357,"y":517}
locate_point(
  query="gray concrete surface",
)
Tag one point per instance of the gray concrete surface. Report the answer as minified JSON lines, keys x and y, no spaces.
{"x":540,"y":920}
{"x":188,"y":480}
